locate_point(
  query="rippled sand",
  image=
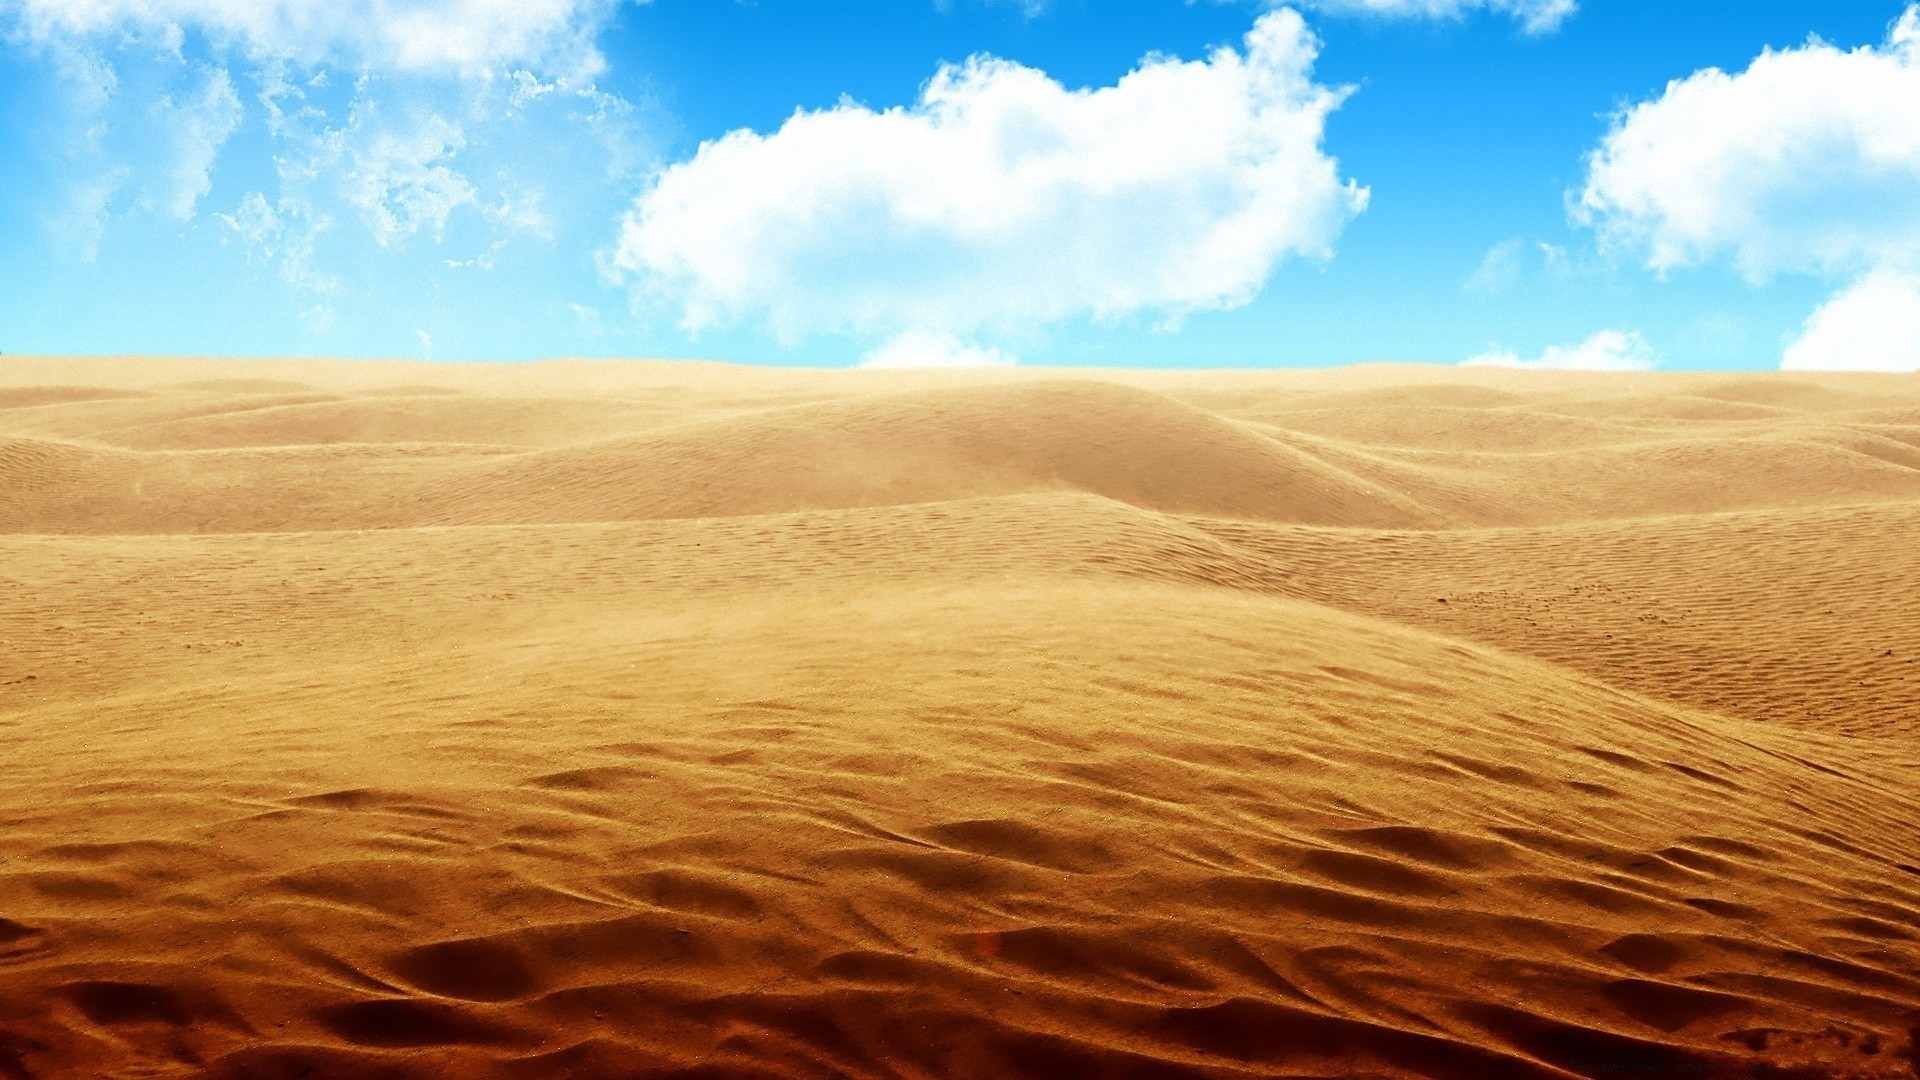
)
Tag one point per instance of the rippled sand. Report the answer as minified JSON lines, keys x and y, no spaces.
{"x":632,"y":720}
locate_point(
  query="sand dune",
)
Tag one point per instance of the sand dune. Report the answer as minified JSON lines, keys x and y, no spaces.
{"x":410,"y":721}
{"x":394,"y":418}
{"x":1134,"y":446}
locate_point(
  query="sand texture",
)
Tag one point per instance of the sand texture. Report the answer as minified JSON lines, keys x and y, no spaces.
{"x":642,"y":720}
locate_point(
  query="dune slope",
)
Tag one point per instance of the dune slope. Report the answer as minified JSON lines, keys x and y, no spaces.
{"x":903,"y":726}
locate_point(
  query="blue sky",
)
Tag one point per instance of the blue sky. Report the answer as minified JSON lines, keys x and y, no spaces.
{"x":1434,"y":180}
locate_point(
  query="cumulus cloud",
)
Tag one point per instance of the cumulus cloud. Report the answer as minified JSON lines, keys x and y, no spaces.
{"x":921,"y":349}
{"x":1002,"y":199}
{"x":1873,"y":325}
{"x":1809,"y":160}
{"x":411,"y":35}
{"x":1536,"y":16}
{"x":1608,"y":350}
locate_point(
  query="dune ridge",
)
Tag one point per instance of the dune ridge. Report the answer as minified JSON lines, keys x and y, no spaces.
{"x":420,"y":721}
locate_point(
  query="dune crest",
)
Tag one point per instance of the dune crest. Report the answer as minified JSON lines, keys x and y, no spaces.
{"x":627,"y":720}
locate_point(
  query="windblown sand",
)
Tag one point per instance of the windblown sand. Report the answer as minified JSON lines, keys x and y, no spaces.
{"x":635,"y":720}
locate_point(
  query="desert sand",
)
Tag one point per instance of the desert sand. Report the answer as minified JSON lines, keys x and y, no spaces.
{"x":658,"y":719}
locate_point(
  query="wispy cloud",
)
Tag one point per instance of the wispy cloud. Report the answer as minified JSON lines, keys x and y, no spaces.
{"x":198,"y":127}
{"x":1499,"y":269}
{"x":473,"y":37}
{"x":403,"y":181}
{"x":1511,"y":263}
{"x":1535,"y":16}
{"x":460,"y":125}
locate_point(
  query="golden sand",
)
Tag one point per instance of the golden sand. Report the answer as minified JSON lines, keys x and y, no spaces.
{"x":636,"y":719}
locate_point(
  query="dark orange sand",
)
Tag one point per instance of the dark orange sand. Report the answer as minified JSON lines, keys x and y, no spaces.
{"x":645,"y":720}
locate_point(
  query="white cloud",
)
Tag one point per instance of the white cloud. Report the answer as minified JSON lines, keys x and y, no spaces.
{"x":1806,"y":162}
{"x":89,"y":205}
{"x":1513,"y":262}
{"x":401,"y":174}
{"x":1809,"y":160}
{"x":920,"y":349}
{"x":1002,"y":199}
{"x":435,"y":133}
{"x":157,"y":158}
{"x":587,"y":320}
{"x":1032,"y":9}
{"x":475,"y":36}
{"x":1536,"y":16}
{"x":1873,"y":325}
{"x":320,"y":318}
{"x":282,"y":235}
{"x":1499,"y":269}
{"x":1608,"y":350}
{"x":198,"y":128}
{"x":402,"y":182}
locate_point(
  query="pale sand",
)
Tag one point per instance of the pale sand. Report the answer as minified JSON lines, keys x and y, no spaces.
{"x":632,"y":720}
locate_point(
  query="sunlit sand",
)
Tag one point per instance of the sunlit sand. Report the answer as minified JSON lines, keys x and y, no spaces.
{"x":634,"y":719}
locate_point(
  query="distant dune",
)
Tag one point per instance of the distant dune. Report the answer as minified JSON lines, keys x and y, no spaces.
{"x":612,"y":720}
